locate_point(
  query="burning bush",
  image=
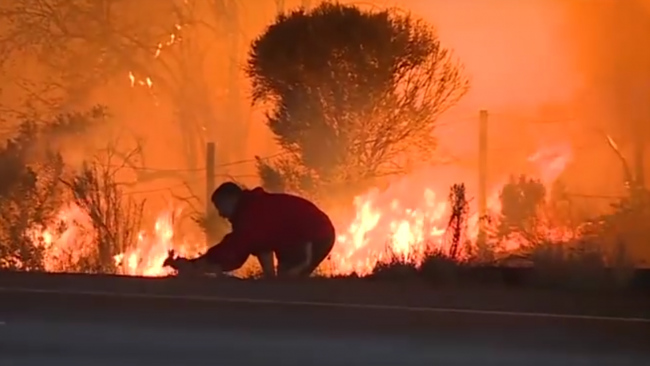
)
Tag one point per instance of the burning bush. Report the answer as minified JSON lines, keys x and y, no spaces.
{"x":31,"y":167}
{"x":55,"y":218}
{"x":437,"y":260}
{"x":114,"y":219}
{"x":529,"y":249}
{"x":29,"y":197}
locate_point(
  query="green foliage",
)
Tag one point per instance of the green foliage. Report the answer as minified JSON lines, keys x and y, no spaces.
{"x":353,"y":94}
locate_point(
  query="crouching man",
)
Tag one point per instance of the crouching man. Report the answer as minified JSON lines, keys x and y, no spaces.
{"x":295,"y":230}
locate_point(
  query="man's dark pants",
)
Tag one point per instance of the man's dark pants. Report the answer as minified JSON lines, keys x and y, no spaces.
{"x":288,"y":259}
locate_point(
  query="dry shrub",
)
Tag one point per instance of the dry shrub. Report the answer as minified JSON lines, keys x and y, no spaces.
{"x":627,"y":223}
{"x":579,"y":265}
{"x":560,"y":264}
{"x":29,"y":197}
{"x":439,"y":263}
{"x":457,"y":226}
{"x":114,"y":217}
{"x":395,"y":268}
{"x":441,"y":267}
{"x":602,"y":256}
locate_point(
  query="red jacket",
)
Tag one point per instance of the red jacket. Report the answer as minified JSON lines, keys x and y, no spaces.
{"x":265,"y":222}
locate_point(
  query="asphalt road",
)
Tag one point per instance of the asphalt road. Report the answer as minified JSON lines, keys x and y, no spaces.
{"x":106,"y":322}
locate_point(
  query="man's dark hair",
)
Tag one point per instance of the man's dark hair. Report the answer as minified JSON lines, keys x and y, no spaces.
{"x":226,"y":189}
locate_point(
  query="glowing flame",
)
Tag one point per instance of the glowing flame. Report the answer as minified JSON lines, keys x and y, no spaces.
{"x":146,"y":81}
{"x":63,"y":242}
{"x":410,"y":217}
{"x":148,"y":255}
{"x":71,"y":240}
{"x":408,"y":220}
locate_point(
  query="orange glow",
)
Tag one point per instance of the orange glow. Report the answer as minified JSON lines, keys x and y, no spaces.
{"x":407,"y":220}
{"x":518,"y":55}
{"x":72,"y":239}
{"x":151,"y":249}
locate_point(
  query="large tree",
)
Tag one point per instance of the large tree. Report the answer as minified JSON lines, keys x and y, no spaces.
{"x":352,"y":94}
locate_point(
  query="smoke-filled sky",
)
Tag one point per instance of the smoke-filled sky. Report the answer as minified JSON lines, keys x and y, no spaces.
{"x":544,"y":70}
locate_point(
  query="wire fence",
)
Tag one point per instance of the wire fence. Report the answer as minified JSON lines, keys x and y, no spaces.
{"x":595,"y":139}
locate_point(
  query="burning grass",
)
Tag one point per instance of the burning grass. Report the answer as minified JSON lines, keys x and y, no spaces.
{"x":59,"y":219}
{"x":577,"y":258}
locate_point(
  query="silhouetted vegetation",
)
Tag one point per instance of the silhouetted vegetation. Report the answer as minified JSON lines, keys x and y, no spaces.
{"x":171,"y":50}
{"x":36,"y":189}
{"x":354,"y":94}
{"x":29,"y":196}
{"x":521,"y":200}
{"x":585,"y":262}
{"x":114,"y":219}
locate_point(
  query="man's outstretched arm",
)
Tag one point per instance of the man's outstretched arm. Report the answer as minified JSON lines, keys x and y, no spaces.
{"x":230,"y":254}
